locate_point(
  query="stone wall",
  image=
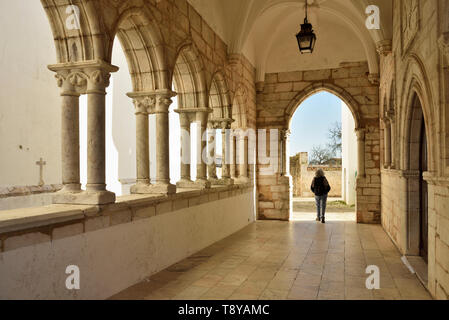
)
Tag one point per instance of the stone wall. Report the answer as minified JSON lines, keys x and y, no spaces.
{"x":277,"y":99}
{"x":302,"y":174}
{"x":414,"y":64}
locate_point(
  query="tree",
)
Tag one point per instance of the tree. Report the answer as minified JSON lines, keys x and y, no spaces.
{"x":334,"y":134}
{"x":320,"y":155}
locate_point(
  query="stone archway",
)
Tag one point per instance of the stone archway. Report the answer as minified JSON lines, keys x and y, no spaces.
{"x":282,"y":93}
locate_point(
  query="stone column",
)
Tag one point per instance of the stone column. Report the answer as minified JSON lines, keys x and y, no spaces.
{"x":361,"y":152}
{"x":391,"y":117}
{"x":233,"y":158}
{"x":184,"y":120}
{"x":387,"y":144}
{"x":211,"y":153}
{"x":163,"y":102}
{"x":144,"y":105}
{"x":226,"y":153}
{"x":93,"y":77}
{"x":285,"y":136}
{"x":71,"y":87}
{"x":201,"y":167}
{"x":243,"y":159}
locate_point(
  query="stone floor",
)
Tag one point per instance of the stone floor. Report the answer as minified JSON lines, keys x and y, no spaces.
{"x":300,"y":259}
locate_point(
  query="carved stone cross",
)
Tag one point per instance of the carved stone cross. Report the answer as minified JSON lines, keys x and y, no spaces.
{"x":41,"y":163}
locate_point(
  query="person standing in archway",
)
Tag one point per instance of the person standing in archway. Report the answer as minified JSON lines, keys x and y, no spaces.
{"x":320,"y":187}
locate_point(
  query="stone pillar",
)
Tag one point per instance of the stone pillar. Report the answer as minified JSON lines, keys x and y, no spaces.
{"x":211,"y":152}
{"x":226,"y":152}
{"x":201,"y":167}
{"x":387,"y":144}
{"x":144,"y":105}
{"x":361,"y":152}
{"x":243,"y":159}
{"x":233,"y":158}
{"x":285,"y":136}
{"x":184,"y":120}
{"x":92,"y":78}
{"x":391,"y":118}
{"x":70,"y":142}
{"x":163,"y":102}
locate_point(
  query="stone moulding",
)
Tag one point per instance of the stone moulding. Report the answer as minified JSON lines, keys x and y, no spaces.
{"x":30,"y":226}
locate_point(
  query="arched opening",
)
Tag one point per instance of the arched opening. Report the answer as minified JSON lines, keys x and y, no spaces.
{"x":192,"y":107}
{"x":322,"y":136}
{"x":219,"y":122}
{"x":417,"y":186}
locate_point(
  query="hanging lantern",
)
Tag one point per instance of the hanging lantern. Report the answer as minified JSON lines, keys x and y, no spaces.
{"x":306,"y":37}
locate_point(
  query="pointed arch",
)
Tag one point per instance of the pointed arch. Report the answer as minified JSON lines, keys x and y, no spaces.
{"x":144,"y":49}
{"x":88,"y":42}
{"x":352,"y":104}
{"x":188,"y":76}
{"x":239,"y":108}
{"x":219,"y":99}
{"x":415,"y":86}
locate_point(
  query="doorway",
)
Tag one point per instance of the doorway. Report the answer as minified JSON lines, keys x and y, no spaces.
{"x":423,"y":194}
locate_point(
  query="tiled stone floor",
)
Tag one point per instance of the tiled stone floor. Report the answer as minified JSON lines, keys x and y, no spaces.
{"x":300,"y":259}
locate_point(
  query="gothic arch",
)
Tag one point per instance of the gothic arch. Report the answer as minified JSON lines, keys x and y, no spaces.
{"x":188,"y":75}
{"x":352,"y":104}
{"x":85,"y":43}
{"x":219,"y":99}
{"x":142,"y":43}
{"x":414,"y":87}
{"x":239,"y":113}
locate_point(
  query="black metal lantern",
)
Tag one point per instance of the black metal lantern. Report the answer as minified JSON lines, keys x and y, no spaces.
{"x":306,"y":37}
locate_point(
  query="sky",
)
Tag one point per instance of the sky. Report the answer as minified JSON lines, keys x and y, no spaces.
{"x":311,"y":122}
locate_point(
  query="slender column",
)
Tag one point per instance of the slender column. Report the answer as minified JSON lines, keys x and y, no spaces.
{"x":233,"y":153}
{"x":226,"y":153}
{"x":391,"y":117}
{"x":144,"y":105}
{"x":91,"y":77}
{"x":387,"y":143}
{"x":211,"y":152}
{"x":285,"y":135}
{"x":361,"y":152}
{"x":70,"y":141}
{"x":185,"y":147}
{"x":201,"y":167}
{"x":163,"y":102}
{"x":243,"y":159}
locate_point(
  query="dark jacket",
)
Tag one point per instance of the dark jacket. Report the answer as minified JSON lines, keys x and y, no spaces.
{"x":320,"y":186}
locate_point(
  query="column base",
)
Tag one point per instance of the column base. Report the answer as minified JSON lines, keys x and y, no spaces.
{"x":214,"y":181}
{"x":242,"y":180}
{"x":198,"y":184}
{"x":158,"y":188}
{"x":84,"y":197}
{"x":223,"y":182}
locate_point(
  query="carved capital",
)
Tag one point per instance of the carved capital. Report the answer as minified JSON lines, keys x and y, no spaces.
{"x":82,"y":77}
{"x":163,"y":100}
{"x":374,"y":79}
{"x":384,"y":47}
{"x":443,"y":42}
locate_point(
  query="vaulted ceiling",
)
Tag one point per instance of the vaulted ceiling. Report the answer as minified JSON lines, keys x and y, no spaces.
{"x":264,"y":30}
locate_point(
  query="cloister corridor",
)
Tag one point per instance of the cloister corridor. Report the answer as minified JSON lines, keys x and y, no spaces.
{"x":296,"y":260}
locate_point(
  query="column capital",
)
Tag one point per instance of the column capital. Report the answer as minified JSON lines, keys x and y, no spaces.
{"x":390,"y":115}
{"x":384,"y":47}
{"x":360,"y":132}
{"x":285,"y":134}
{"x":144,"y":102}
{"x":90,"y":76}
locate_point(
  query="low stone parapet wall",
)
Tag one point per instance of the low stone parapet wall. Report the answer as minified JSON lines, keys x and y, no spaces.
{"x":114,"y":246}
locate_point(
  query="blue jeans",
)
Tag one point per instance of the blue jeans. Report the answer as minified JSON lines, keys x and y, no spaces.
{"x":320,"y":206}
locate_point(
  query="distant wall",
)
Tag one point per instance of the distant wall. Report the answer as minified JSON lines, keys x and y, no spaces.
{"x":302,"y":175}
